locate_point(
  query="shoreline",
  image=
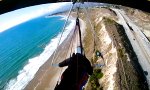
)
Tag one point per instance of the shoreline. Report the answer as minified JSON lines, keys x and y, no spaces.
{"x":47,"y":75}
{"x":34,"y":64}
{"x":28,"y":71}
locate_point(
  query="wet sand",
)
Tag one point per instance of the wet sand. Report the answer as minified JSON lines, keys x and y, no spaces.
{"x":48,"y":75}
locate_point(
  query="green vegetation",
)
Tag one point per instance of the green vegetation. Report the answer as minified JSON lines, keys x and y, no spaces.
{"x":130,"y":72}
{"x":129,"y":75}
{"x":109,"y":21}
{"x":97,"y":74}
{"x":121,"y":54}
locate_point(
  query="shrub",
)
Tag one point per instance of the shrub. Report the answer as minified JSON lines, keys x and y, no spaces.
{"x":97,"y":74}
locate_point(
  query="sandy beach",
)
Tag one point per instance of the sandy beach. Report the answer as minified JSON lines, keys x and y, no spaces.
{"x":48,"y":75}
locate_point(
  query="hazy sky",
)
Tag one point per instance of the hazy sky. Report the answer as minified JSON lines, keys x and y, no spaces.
{"x":16,"y":17}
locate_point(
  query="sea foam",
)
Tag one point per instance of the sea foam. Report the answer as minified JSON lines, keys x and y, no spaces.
{"x":28,"y":72}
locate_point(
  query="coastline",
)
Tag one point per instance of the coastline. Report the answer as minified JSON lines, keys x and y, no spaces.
{"x":27,"y":73}
{"x":47,"y":75}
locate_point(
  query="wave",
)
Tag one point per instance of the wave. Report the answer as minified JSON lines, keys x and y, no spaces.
{"x":29,"y":70}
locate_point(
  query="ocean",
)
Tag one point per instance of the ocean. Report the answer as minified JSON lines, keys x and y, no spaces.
{"x":25,"y":47}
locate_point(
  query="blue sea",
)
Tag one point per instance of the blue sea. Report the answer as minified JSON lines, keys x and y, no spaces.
{"x":25,"y":47}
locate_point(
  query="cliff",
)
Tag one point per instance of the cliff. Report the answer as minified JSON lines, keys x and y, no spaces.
{"x":122,"y":70}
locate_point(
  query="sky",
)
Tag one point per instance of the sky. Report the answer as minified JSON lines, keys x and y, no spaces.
{"x":10,"y":19}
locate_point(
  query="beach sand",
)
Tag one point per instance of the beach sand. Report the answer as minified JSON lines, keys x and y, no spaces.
{"x":48,"y":75}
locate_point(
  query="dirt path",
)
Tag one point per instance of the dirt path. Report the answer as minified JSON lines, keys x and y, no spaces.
{"x":138,"y":40}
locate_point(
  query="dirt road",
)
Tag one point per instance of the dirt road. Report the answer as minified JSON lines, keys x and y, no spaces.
{"x":139,"y":42}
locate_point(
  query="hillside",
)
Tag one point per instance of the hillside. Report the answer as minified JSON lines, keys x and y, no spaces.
{"x":122,"y":70}
{"x":140,"y":18}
